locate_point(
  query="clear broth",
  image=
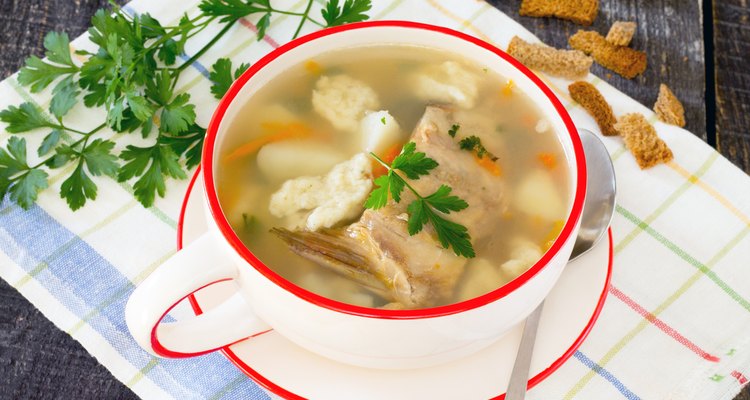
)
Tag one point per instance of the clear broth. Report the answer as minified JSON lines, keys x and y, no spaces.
{"x":244,"y":191}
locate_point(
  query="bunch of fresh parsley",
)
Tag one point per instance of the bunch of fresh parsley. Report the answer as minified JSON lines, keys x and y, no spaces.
{"x":424,"y":209}
{"x":132,"y":75}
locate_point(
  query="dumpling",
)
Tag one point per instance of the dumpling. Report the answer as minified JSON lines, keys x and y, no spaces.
{"x":379,"y":132}
{"x":448,"y":82}
{"x":343,"y":101}
{"x":324,"y":201}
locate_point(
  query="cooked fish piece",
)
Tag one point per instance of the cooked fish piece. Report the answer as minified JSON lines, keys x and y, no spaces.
{"x":378,"y":252}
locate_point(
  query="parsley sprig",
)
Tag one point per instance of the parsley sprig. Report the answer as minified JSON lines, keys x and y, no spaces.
{"x":474,"y":144}
{"x":132,"y":75}
{"x":424,"y":209}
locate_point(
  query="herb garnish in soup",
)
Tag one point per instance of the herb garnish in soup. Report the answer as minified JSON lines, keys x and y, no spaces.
{"x":394,"y":176}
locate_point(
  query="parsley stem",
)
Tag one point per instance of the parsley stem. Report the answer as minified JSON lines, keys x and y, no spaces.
{"x":192,"y":21}
{"x":97,"y":129}
{"x":205,"y":48}
{"x":314,"y":21}
{"x":83,"y":140}
{"x":304,"y":18}
{"x":393,"y":171}
{"x":65,"y":128}
{"x":172,"y":33}
{"x":197,"y":31}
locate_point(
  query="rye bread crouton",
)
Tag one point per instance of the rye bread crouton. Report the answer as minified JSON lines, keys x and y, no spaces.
{"x":571,"y":64}
{"x":642,"y":141}
{"x":621,"y":33}
{"x":668,"y":108}
{"x":622,"y":60}
{"x":592,"y":101}
{"x":581,"y":12}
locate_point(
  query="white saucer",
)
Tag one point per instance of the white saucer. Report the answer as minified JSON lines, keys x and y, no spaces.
{"x":292,"y":372}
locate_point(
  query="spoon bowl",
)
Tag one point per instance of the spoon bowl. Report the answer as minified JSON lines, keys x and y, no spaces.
{"x":599,"y":206}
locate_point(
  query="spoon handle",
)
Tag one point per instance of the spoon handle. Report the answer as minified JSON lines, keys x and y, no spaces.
{"x":520,"y":374}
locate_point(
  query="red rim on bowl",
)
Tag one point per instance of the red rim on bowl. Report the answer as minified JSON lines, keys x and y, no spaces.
{"x":275,"y":388}
{"x":236,"y":243}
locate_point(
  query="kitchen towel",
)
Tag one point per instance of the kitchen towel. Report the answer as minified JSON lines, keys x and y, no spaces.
{"x":676,"y":324}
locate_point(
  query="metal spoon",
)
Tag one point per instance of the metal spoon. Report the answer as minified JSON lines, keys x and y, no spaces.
{"x":597,"y":215}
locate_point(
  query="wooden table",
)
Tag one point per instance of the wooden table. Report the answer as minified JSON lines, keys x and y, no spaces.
{"x":705,"y":64}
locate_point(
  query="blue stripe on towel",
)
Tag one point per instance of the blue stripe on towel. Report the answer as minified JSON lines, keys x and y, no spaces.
{"x":606,"y":375}
{"x":83,"y":281}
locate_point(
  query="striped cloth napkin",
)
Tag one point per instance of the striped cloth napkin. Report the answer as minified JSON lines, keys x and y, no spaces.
{"x":675,"y":326}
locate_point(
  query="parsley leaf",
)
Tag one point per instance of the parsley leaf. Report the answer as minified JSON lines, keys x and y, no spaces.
{"x":250,"y":224}
{"x":78,"y":188}
{"x":116,"y":115}
{"x":451,"y":234}
{"x":263,"y":24}
{"x":140,"y":107}
{"x":97,"y":70}
{"x":13,"y":160}
{"x":49,"y":142}
{"x":178,"y":115}
{"x":24,"y":118}
{"x":230,"y":10}
{"x":26,"y":189}
{"x":188,"y":144}
{"x":64,"y":97}
{"x":413,"y":164}
{"x":150,"y":165}
{"x":241,"y":70}
{"x":417,"y":216}
{"x":422,"y":210}
{"x":350,"y":11}
{"x":97,"y":158}
{"x":159,"y":89}
{"x":221,"y":76}
{"x":17,"y":178}
{"x":378,"y":198}
{"x":454,"y":130}
{"x":169,"y":51}
{"x":469,"y":143}
{"x":58,"y":48}
{"x":442,"y":200}
{"x":151,"y":27}
{"x":448,"y":232}
{"x":473,"y":143}
{"x":38,"y":73}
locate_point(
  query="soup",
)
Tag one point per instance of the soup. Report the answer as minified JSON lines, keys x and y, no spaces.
{"x":310,"y":169}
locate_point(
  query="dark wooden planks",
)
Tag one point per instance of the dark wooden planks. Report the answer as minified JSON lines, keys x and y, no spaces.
{"x":732,"y":56}
{"x":23,"y":24}
{"x":37,"y":360}
{"x":669,"y":31}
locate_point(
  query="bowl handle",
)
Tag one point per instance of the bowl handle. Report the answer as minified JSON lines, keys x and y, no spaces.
{"x":198,"y":265}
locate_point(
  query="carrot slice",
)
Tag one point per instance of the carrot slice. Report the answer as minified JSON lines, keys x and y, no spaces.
{"x":557,"y":227}
{"x":529,"y":121}
{"x":388,"y":156}
{"x":276,"y":132}
{"x":313,"y":67}
{"x":489,"y":165}
{"x":508,"y":88}
{"x":547,"y":159}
